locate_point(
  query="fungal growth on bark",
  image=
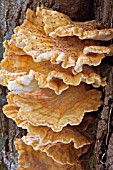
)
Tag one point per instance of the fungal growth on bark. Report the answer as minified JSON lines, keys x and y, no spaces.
{"x":47,"y":68}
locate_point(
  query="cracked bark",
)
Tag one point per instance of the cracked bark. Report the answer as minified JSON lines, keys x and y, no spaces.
{"x":104,"y":137}
{"x":12,"y":13}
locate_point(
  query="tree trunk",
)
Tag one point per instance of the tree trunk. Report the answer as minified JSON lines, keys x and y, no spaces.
{"x":12,"y":13}
{"x":104,"y":136}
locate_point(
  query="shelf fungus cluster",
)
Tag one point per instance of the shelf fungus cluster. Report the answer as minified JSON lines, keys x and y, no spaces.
{"x":47,"y":68}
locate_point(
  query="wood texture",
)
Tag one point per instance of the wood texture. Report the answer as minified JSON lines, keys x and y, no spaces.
{"x":104,"y":137}
{"x":103,"y":10}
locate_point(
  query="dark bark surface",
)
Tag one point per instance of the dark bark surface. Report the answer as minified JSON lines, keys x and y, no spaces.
{"x":104,"y":137}
{"x":12,"y":13}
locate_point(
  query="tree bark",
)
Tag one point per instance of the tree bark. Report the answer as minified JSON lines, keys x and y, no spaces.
{"x":12,"y":13}
{"x":104,"y":137}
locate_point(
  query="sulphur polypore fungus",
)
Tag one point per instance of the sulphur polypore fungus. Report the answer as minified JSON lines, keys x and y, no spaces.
{"x":47,"y":66}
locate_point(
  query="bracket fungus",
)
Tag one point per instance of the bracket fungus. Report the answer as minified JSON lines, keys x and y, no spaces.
{"x":44,"y":139}
{"x":58,"y":24}
{"x":37,"y":160}
{"x":44,"y":107}
{"x":43,"y":74}
{"x":47,"y":68}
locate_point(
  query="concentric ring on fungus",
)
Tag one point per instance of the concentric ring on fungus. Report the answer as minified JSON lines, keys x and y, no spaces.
{"x":31,"y":159}
{"x":44,"y":107}
{"x":44,"y":139}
